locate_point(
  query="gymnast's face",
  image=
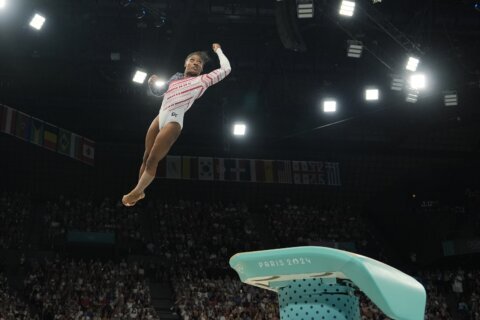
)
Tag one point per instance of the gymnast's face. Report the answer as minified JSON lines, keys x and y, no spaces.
{"x":193,"y":65}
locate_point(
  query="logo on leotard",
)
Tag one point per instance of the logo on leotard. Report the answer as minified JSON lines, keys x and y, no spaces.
{"x":174,"y":114}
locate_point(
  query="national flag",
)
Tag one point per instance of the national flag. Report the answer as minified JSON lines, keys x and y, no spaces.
{"x":88,"y":151}
{"x":321,"y":173}
{"x":8,"y":123}
{"x":231,"y":169}
{"x":333,"y":173}
{"x":269,"y":171}
{"x":246,"y":170}
{"x":284,"y":171}
{"x":174,"y":167}
{"x":50,"y":137}
{"x":308,"y":172}
{"x":190,"y":168}
{"x":3,"y":111}
{"x":76,"y":147}
{"x":64,"y":142}
{"x":219,"y":169}
{"x":36,"y":131}
{"x":22,"y":126}
{"x":205,"y":168}
{"x":260,"y":170}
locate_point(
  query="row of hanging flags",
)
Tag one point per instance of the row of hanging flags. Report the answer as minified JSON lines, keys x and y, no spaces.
{"x":250,"y":170}
{"x":46,"y":135}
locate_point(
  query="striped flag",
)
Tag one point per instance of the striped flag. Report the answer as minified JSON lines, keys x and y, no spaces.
{"x":22,"y":126}
{"x":50,"y":137}
{"x":284,"y":171}
{"x":190,"y":168}
{"x":333,"y":173}
{"x":205,"y":168}
{"x":36,"y":131}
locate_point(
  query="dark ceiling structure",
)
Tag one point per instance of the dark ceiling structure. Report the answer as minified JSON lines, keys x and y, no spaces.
{"x":65,"y":74}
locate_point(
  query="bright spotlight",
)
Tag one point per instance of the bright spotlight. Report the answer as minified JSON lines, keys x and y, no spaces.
{"x":372,"y":94}
{"x":239,"y":129}
{"x":450,"y":98}
{"x":418,"y":81}
{"x":355,"y":49}
{"x":37,"y":21}
{"x":159,"y":83}
{"x":305,"y":9}
{"x":398,"y":83}
{"x":347,"y":8}
{"x":139,"y":76}
{"x":3,"y":4}
{"x":329,"y":106}
{"x":412,"y":96}
{"x":412,"y":64}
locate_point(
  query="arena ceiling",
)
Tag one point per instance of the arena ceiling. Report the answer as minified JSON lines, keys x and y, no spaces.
{"x":64,"y":74}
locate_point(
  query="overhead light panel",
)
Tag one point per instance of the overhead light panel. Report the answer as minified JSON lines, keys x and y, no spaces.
{"x":450,"y":98}
{"x":139,"y":77}
{"x":347,"y":8}
{"x":412,"y":96}
{"x":37,"y":21}
{"x":3,"y":4}
{"x":418,"y":81}
{"x":355,"y":49}
{"x":372,"y":94}
{"x":329,"y":106}
{"x":398,"y":83}
{"x":305,"y":9}
{"x":412,"y":64}
{"x":239,"y":129}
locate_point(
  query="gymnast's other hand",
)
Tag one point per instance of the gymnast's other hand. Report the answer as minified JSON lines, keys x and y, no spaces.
{"x":153,"y":79}
{"x":215,"y":46}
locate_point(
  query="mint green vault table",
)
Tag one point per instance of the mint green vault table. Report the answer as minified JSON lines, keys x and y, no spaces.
{"x":319,"y":283}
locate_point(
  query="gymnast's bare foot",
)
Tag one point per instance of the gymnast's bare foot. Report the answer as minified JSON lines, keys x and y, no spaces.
{"x":129,"y":200}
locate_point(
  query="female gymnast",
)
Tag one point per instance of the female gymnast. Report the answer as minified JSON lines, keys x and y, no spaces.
{"x":182,"y":91}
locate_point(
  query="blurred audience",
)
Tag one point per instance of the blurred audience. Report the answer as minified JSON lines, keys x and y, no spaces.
{"x":15,"y":210}
{"x":69,"y":289}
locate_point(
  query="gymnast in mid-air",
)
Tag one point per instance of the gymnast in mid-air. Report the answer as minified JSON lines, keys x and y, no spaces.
{"x":182,"y":90}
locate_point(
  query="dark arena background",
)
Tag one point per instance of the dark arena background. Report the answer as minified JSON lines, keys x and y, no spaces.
{"x":391,"y":173}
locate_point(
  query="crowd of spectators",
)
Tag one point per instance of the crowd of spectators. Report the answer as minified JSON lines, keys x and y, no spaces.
{"x":295,"y":225}
{"x":190,"y":235}
{"x":66,"y":214}
{"x":11,"y":306}
{"x":192,"y":242}
{"x":223,"y":299}
{"x":14,"y":218}
{"x":69,"y":289}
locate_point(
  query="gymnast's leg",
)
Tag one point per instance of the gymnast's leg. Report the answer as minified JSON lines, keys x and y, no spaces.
{"x":152,"y":133}
{"x":163,"y":142}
